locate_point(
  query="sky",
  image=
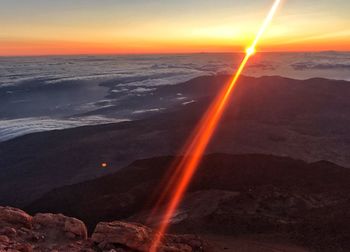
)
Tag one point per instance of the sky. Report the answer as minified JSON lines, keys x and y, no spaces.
{"x":44,"y":27}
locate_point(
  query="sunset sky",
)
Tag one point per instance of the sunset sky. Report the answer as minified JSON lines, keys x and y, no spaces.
{"x":40,"y":27}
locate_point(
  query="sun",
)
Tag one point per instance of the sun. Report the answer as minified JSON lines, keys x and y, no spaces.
{"x":250,"y":51}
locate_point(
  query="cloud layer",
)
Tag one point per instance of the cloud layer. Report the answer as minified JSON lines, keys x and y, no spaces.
{"x":17,"y":127}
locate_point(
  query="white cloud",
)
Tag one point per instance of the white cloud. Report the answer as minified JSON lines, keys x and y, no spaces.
{"x":18,"y":127}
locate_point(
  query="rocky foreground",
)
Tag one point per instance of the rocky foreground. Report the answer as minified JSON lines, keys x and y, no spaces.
{"x":306,"y":204}
{"x":20,"y":231}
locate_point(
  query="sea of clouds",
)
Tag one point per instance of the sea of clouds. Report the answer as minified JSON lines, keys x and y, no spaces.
{"x":134,"y":76}
{"x":18,"y":127}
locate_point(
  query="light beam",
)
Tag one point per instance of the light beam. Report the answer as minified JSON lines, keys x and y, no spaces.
{"x":195,"y":147}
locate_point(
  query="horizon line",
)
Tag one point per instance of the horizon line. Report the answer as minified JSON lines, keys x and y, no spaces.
{"x":161,"y":53}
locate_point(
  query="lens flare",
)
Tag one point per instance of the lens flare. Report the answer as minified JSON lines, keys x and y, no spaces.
{"x":183,"y":170}
{"x":250,"y":51}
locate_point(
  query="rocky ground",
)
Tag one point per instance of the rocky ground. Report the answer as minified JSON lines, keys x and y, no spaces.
{"x":307,"y":204}
{"x":55,"y":232}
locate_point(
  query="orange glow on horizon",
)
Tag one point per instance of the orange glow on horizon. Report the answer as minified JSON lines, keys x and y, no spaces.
{"x":113,"y":28}
{"x":39,"y":48}
{"x":197,"y":144}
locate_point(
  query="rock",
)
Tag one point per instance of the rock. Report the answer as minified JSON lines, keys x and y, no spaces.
{"x":23,"y":247}
{"x":193,"y":241}
{"x":20,"y":232}
{"x":4,"y":239}
{"x":14,"y":217}
{"x":8,"y":231}
{"x":138,"y":237}
{"x":60,"y":224}
{"x":70,"y":235}
{"x":134,"y":236}
{"x":75,"y":227}
{"x":175,"y":248}
{"x":117,"y":250}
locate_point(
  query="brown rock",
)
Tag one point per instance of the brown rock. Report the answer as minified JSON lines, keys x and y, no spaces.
{"x":117,"y":250}
{"x":60,"y":223}
{"x":193,"y":241}
{"x":47,"y":220}
{"x":138,"y":237}
{"x":49,"y":232}
{"x":134,"y":236}
{"x":175,"y":248}
{"x":76,"y":227}
{"x":4,"y":239}
{"x":14,"y":217}
{"x":8,"y":231}
{"x":24,"y":247}
{"x":70,"y":235}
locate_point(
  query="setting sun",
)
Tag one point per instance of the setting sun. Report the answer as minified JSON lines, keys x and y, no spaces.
{"x":250,"y":51}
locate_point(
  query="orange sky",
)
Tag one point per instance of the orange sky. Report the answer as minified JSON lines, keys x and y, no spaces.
{"x":38,"y":27}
